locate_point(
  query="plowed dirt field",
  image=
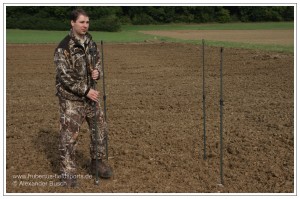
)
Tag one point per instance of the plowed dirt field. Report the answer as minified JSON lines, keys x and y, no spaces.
{"x":155,"y":121}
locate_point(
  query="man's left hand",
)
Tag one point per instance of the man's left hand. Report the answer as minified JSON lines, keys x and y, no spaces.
{"x":95,"y":74}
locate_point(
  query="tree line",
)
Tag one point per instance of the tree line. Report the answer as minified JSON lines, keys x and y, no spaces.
{"x":110,"y":18}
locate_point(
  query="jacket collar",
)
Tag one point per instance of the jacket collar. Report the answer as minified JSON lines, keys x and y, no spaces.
{"x":87,"y":38}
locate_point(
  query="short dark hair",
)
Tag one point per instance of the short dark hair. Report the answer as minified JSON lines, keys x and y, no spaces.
{"x":75,"y":14}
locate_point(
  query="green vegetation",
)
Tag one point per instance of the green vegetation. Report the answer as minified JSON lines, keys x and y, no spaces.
{"x":213,"y":26}
{"x":49,"y":24}
{"x":43,"y":36}
{"x":34,"y":36}
{"x":131,"y":33}
{"x":110,"y":18}
{"x":265,"y":47}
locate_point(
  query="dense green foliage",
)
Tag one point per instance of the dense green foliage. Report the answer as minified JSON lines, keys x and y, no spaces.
{"x":105,"y":18}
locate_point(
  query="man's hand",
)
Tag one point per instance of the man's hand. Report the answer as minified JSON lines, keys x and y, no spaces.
{"x":93,"y":95}
{"x":95,"y":74}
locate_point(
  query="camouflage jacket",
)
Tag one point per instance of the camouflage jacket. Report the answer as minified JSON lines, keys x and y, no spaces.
{"x":74,"y":66}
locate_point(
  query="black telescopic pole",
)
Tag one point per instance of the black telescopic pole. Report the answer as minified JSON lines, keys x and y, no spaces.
{"x":204,"y":115}
{"x":93,"y":52}
{"x":221,"y":118}
{"x":104,"y":100}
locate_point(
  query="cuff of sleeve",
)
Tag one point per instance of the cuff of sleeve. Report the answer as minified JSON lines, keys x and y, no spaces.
{"x":87,"y":91}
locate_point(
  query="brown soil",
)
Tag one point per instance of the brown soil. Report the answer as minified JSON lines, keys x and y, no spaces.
{"x":280,"y":37}
{"x":155,"y":121}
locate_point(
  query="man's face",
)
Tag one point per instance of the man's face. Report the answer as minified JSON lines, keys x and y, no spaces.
{"x":81,"y":25}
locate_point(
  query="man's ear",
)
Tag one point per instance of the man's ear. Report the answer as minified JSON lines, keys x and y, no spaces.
{"x":72,"y":23}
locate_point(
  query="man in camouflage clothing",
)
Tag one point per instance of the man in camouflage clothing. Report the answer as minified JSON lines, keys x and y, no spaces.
{"x":74,"y":78}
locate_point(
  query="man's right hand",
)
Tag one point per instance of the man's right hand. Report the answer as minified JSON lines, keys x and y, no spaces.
{"x":93,"y":95}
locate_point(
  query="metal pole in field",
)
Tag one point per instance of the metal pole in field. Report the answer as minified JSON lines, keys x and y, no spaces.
{"x":104,"y":100}
{"x":204,"y":115}
{"x":93,"y":51}
{"x":221,"y":117}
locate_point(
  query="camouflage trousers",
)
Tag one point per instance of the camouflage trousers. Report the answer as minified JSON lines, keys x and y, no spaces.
{"x":72,"y":115}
